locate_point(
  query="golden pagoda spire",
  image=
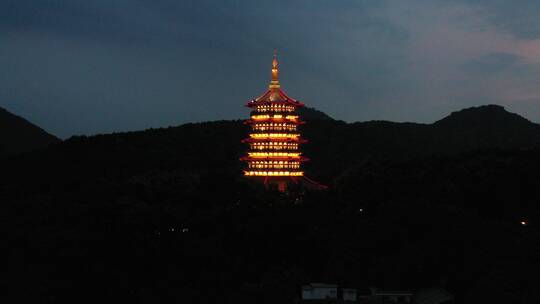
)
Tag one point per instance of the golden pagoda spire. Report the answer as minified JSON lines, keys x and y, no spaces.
{"x":274,"y":84}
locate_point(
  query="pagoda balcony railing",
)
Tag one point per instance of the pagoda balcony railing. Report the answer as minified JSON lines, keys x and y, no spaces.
{"x":271,"y":136}
{"x":278,"y":167}
{"x":274,"y":120}
{"x":273,"y":158}
{"x":291,"y":111}
{"x":263,"y":140}
{"x":272,"y":131}
{"x":273,"y":173}
{"x":277,"y":149}
{"x":269,"y":116}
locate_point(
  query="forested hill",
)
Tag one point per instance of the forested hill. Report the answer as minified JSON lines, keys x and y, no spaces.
{"x":165,"y":215}
{"x":308,"y":113}
{"x":18,"y":135}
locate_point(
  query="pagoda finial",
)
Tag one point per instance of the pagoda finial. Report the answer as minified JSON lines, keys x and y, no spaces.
{"x":274,"y":84}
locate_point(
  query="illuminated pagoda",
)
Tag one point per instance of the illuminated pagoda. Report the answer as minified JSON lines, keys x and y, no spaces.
{"x":274,"y":156}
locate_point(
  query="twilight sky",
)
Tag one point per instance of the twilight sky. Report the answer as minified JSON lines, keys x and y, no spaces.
{"x":87,"y":67}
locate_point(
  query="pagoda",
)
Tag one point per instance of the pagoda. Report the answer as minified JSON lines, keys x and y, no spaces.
{"x":274,"y":156}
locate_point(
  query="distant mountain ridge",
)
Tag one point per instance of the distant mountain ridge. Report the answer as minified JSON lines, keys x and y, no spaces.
{"x":307,"y":113}
{"x":489,"y":126}
{"x":483,"y":127}
{"x":490,"y":115}
{"x":332,"y":145}
{"x":18,"y":135}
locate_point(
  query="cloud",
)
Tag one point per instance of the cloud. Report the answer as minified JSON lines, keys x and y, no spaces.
{"x":98,"y":66}
{"x":458,"y":56}
{"x":491,"y":63}
{"x":517,"y":17}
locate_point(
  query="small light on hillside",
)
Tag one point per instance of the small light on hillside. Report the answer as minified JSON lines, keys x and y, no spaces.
{"x":524,"y":223}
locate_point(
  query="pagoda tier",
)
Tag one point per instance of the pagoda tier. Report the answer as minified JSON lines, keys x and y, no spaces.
{"x":274,"y":99}
{"x":274,"y":142}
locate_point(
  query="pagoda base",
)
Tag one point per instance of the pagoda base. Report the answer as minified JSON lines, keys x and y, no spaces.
{"x":282,"y":184}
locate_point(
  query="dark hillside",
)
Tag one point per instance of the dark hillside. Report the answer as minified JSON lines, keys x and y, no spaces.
{"x":18,"y":135}
{"x":164,"y":215}
{"x":485,"y":127}
{"x":308,"y":113}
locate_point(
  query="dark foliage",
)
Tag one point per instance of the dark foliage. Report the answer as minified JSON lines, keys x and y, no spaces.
{"x":18,"y":135}
{"x":308,"y":113}
{"x":164,"y":215}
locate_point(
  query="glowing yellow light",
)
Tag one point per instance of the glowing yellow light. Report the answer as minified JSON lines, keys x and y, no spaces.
{"x":276,"y":116}
{"x":273,"y":154}
{"x":273,"y":173}
{"x":274,"y":135}
{"x":259,"y":117}
{"x":275,"y":108}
